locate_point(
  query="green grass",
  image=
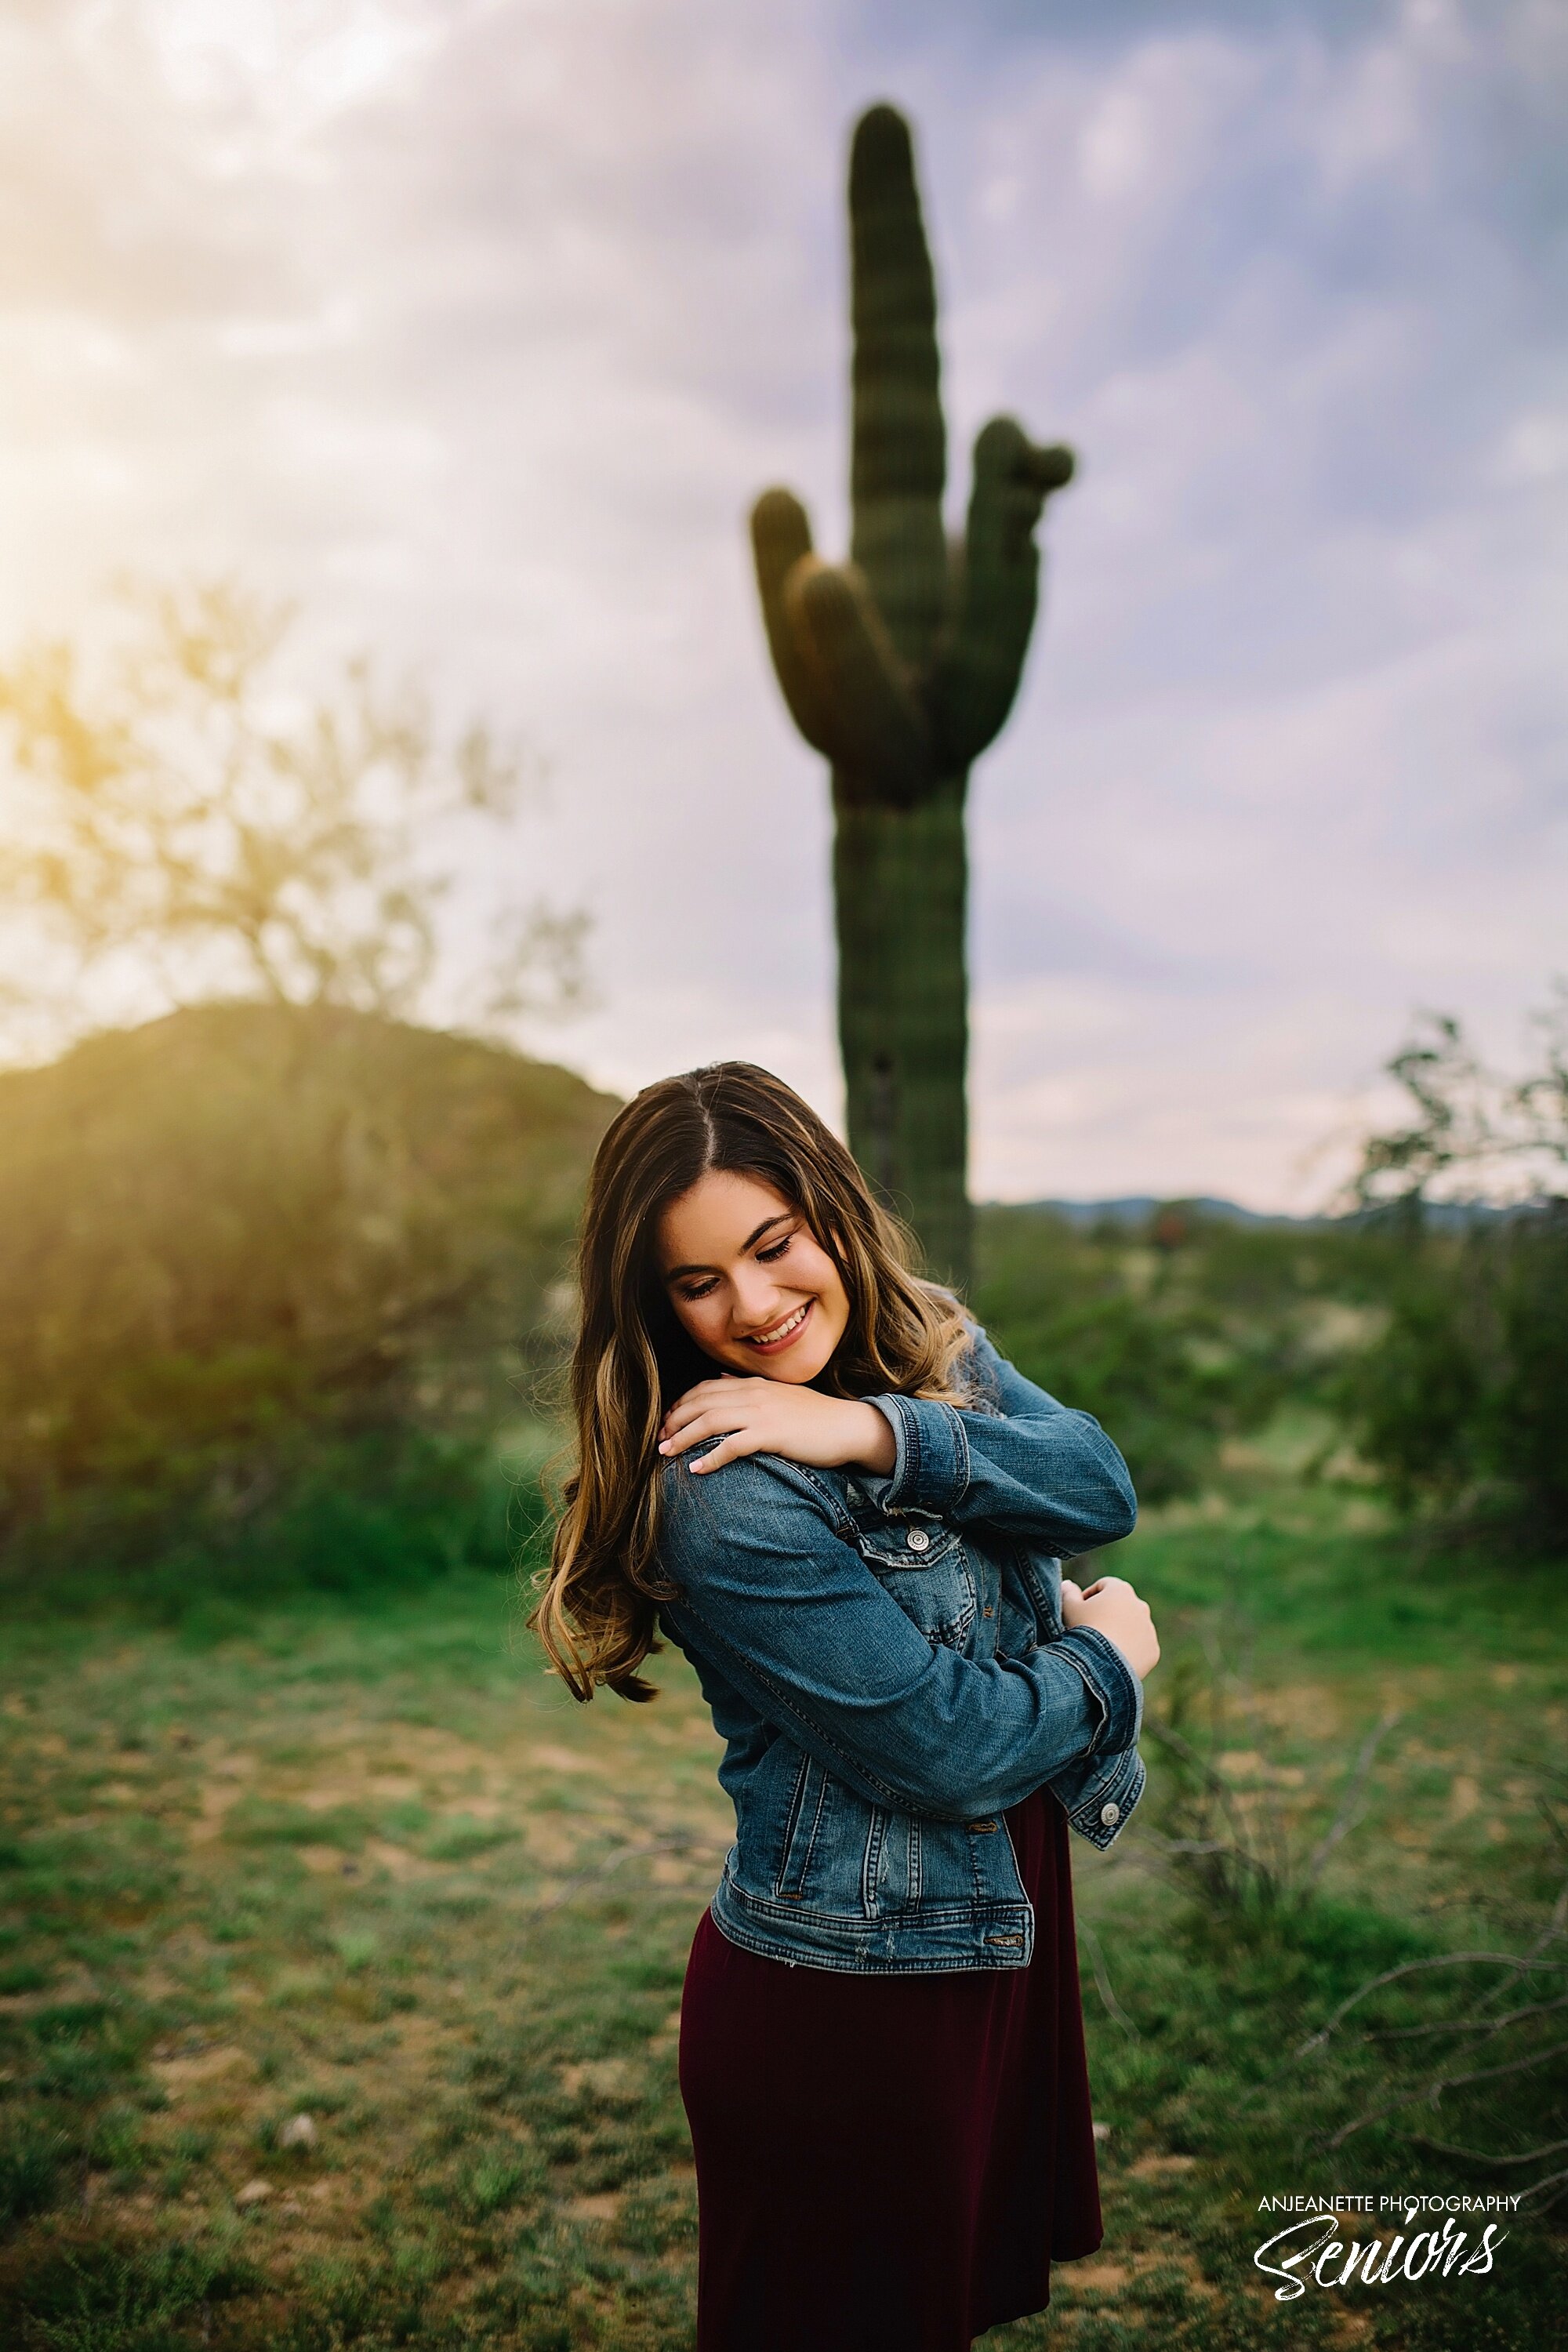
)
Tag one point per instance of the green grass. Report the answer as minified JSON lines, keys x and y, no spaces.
{"x":370,"y":1866}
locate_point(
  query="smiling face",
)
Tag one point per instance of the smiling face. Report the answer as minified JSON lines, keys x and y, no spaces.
{"x":747,"y":1279}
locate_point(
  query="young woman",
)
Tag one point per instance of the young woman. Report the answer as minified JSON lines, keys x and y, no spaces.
{"x":815,"y":1475}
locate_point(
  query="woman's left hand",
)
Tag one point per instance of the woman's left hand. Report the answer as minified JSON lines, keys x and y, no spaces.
{"x":760,"y":1416}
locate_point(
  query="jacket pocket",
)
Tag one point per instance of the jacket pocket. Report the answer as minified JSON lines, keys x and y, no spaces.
{"x":928,"y":1573}
{"x":891,"y":1868}
{"x":804,"y":1825}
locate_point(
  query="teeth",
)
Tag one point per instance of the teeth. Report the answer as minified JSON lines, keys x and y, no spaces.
{"x":766,"y":1339}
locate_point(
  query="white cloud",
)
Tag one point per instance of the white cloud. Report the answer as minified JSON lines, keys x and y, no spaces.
{"x":477,"y":327}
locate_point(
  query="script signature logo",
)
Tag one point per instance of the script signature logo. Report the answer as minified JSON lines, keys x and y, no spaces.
{"x":1312,"y":2253}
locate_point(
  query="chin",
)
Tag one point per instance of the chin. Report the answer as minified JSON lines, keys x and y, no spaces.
{"x":809,"y":1364}
{"x":796,"y":1366}
{"x":793,"y":1376}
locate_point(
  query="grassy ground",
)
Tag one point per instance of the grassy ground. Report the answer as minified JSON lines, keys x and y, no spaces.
{"x":371,"y":1868}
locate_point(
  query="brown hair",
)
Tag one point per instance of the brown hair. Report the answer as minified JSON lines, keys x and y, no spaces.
{"x":599,"y":1598}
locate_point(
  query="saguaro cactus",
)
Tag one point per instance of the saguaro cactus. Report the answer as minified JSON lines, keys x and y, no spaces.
{"x":900,"y":667}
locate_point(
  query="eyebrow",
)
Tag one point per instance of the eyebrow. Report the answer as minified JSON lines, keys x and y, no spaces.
{"x":783,"y":1218}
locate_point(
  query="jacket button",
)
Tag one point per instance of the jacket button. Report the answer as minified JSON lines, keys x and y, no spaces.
{"x":1110,"y":1815}
{"x":918,"y":1540}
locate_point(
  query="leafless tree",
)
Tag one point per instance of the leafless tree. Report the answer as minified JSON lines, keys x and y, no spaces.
{"x":1472,"y":1129}
{"x":182,"y":824}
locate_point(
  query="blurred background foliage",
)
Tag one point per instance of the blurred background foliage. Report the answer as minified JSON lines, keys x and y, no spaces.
{"x":274,"y":1277}
{"x":1181,"y":1330}
{"x":1462,"y":1401}
{"x":284,"y":1284}
{"x":281,"y":1263}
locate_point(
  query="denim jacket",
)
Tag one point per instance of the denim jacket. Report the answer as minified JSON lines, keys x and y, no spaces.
{"x":886,"y":1662}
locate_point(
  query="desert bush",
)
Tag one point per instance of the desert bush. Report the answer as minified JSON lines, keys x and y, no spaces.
{"x":1249,"y":1853}
{"x":1178,"y":1331}
{"x":1463,"y":1398}
{"x":1405,"y":2019}
{"x":359,"y":1515}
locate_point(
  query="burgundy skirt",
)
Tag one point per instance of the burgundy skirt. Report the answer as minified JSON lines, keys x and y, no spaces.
{"x":890,"y":2163}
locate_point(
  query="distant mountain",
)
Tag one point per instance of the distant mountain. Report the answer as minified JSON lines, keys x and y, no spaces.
{"x":1137,"y":1208}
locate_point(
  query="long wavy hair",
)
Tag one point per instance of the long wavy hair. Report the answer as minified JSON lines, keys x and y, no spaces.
{"x":598,"y":1598}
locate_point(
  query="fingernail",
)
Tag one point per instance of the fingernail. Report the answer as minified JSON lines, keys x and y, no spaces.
{"x":664,"y":1445}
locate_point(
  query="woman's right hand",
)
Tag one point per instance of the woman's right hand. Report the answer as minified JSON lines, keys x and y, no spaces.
{"x":1114,"y":1609}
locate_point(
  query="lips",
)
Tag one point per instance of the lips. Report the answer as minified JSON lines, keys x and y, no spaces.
{"x":781,"y":1335}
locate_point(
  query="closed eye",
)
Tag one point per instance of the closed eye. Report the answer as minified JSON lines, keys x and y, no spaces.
{"x":765,"y":1256}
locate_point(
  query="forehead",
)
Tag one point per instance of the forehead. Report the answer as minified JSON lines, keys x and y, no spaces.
{"x":714,"y":1221}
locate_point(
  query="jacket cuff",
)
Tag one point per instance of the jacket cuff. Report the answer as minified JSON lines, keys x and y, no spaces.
{"x":1100,"y":1811}
{"x":931,"y":1465}
{"x":1113,"y":1683}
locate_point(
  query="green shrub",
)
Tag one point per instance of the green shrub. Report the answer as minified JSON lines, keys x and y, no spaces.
{"x":32,"y":2157}
{"x":1177,"y":1332}
{"x":105,"y":2296}
{"x":358,"y":1515}
{"x":1465,"y":1396}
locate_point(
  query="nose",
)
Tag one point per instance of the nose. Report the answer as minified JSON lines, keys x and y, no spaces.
{"x":756,"y":1302}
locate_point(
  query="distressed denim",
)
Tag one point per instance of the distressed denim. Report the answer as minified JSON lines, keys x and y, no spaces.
{"x":886,"y":1662}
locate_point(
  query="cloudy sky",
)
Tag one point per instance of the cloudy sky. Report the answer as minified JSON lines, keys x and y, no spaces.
{"x":476,"y":325}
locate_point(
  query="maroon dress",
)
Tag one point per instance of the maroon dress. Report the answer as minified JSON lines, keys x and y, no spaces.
{"x":890,"y":2163}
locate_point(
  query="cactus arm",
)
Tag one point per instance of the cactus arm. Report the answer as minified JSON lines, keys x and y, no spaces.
{"x":898,"y":448}
{"x":880,"y":738}
{"x":780,"y":535}
{"x":977,"y":674}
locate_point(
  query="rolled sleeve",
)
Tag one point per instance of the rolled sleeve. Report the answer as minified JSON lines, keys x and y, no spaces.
{"x":1022,"y":1464}
{"x":932,"y":1461}
{"x":1099,"y":1799}
{"x":1112,"y":1682}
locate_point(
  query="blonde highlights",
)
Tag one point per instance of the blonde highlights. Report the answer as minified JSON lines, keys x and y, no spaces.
{"x":598,"y":1600}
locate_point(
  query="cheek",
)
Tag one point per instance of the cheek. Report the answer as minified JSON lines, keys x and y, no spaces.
{"x":695,"y":1316}
{"x":832,"y":1294}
